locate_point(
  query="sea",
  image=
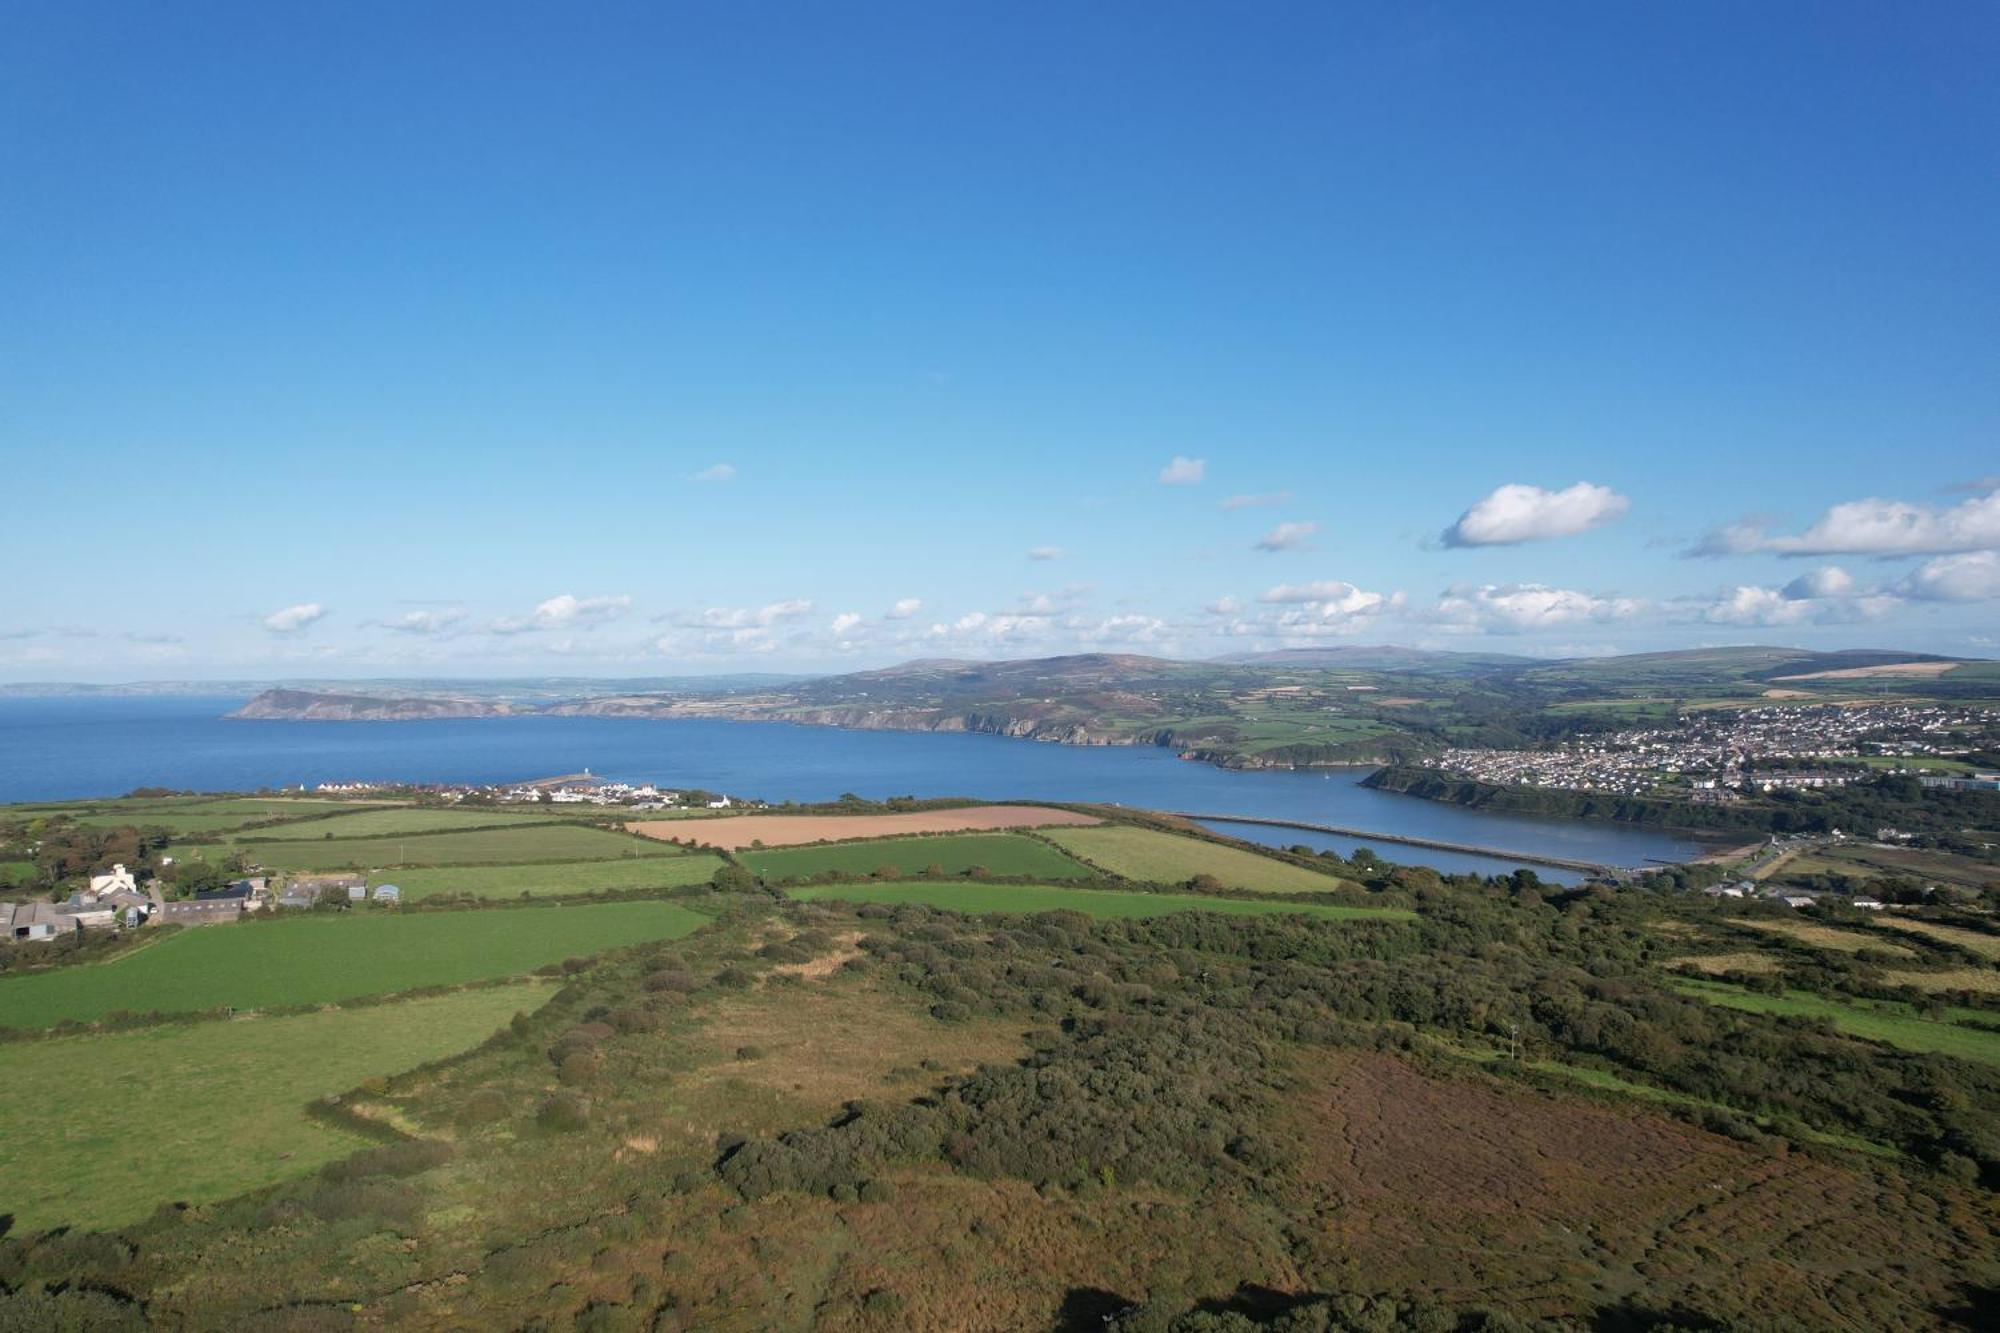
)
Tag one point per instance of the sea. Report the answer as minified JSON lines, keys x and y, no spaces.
{"x":64,"y":748}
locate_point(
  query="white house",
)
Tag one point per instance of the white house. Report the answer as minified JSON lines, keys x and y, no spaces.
{"x":719,"y":803}
{"x":119,"y":880}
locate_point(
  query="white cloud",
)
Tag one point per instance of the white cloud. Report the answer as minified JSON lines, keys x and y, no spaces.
{"x":1317,"y":608}
{"x":1750,"y":605}
{"x":1183,"y":471}
{"x":1830,"y":581}
{"x":565,"y":611}
{"x":738,"y":618}
{"x":717,"y":472}
{"x":292,"y":619}
{"x":1515,"y":607}
{"x":1268,"y":500}
{"x":846,"y":621}
{"x":904,"y":608}
{"x":1971,"y":577}
{"x":1286,"y":537}
{"x":1518,"y":513}
{"x":1224,"y":606}
{"x":424,"y":622}
{"x":1046,"y":553}
{"x":1873,"y":526}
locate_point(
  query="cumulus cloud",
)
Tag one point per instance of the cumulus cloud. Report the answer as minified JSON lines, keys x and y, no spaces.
{"x":424,"y":622}
{"x":293,"y":619}
{"x":1873,"y":526}
{"x":846,"y":621}
{"x":1829,"y":581}
{"x":1751,"y":605}
{"x":1183,"y":471}
{"x":1971,"y":577}
{"x":565,"y":611}
{"x":1516,"y":607}
{"x":1319,"y":607}
{"x":1046,"y":553}
{"x":904,"y":608}
{"x":747,"y":617}
{"x":1268,"y":500}
{"x":1518,"y":513}
{"x":716,"y":472}
{"x":1286,"y":537}
{"x":1224,"y":606}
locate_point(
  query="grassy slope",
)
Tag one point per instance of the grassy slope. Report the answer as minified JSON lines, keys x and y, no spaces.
{"x":972,"y":897}
{"x":555,"y":842}
{"x":1001,"y":853}
{"x":1166,"y":858}
{"x":1891,"y":1024}
{"x":556,"y":878}
{"x":317,"y":959}
{"x":109,"y":1125}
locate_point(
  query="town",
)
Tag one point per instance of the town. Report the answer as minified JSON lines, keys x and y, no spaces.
{"x":1717,"y":755}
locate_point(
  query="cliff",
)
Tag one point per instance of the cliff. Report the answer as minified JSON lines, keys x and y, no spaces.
{"x":315,"y":706}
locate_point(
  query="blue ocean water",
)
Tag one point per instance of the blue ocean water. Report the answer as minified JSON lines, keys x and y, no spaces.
{"x":64,"y":748}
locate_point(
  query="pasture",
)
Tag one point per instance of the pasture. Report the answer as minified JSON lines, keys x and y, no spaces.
{"x":323,"y":959}
{"x":1972,"y":941}
{"x":1825,"y":937}
{"x":969,"y":896}
{"x":393,"y":821}
{"x":1000,"y":853}
{"x":1152,"y":857}
{"x":501,"y":846}
{"x":116,"y":1123}
{"x":554,"y":879}
{"x":736,"y":832}
{"x":1873,"y":1020}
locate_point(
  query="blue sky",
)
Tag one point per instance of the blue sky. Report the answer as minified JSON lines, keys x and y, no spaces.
{"x":392,"y":339}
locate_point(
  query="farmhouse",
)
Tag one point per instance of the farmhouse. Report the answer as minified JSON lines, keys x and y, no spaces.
{"x":118,"y":880}
{"x":35,"y":921}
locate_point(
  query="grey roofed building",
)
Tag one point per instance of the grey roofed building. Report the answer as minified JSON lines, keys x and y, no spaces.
{"x":35,"y":920}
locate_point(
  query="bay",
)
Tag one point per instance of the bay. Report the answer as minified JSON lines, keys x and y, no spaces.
{"x":75,"y":747}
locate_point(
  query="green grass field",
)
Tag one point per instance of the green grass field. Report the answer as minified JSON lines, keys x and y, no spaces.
{"x":319,"y":959}
{"x":1153,"y":857}
{"x":503,"y":846}
{"x":964,"y":896}
{"x":105,"y":1127}
{"x":1892,"y":1024}
{"x":388,"y":823}
{"x":954,"y":854}
{"x":554,"y":879}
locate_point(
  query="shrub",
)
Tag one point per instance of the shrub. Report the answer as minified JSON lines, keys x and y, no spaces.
{"x":749,"y":1052}
{"x":735,"y":978}
{"x":877,"y":1191}
{"x":579,"y":1069}
{"x":484,"y":1107}
{"x":672,"y":979}
{"x":564,"y":1113}
{"x":408,"y":1158}
{"x":630,"y":1019}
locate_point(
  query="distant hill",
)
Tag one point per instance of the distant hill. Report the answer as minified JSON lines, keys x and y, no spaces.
{"x":1378,"y":657}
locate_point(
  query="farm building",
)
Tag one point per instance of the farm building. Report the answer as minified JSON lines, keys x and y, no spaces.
{"x":35,"y":921}
{"x":305,"y":890}
{"x":201,"y":912}
{"x":117,"y":880}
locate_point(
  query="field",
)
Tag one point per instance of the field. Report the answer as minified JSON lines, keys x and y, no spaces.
{"x":554,"y":879}
{"x":971,"y":897}
{"x":1986,"y":946}
{"x":1864,"y":860}
{"x":1000,"y":853}
{"x":1715,"y":964}
{"x":1826,"y":937}
{"x":379,"y":823}
{"x":738,"y":832}
{"x":316,"y":960}
{"x":1893,"y":1024}
{"x":1153,"y":857}
{"x":553,"y":842}
{"x":119,"y":1122}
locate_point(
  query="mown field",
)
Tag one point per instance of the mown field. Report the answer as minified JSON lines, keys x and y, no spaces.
{"x":1000,"y":853}
{"x":109,"y":1125}
{"x":553,"y":842}
{"x":1892,"y":1024}
{"x":962,"y":896}
{"x":380,"y":823}
{"x":1153,"y":857}
{"x":553,"y":879}
{"x":318,"y":959}
{"x":1973,"y":941}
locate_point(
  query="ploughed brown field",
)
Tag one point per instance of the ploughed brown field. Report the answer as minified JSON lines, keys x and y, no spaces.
{"x":736,"y":832}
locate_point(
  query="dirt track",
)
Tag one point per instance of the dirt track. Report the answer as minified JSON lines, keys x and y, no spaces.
{"x":739,"y":831}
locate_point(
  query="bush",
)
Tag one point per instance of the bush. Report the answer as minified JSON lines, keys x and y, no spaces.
{"x":671,"y":979}
{"x":877,"y":1191}
{"x":735,"y":978}
{"x":579,"y":1069}
{"x":749,"y":1052}
{"x":631,"y":1019}
{"x":564,"y":1113}
{"x":484,"y":1107}
{"x":387,"y":1203}
{"x":408,"y":1158}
